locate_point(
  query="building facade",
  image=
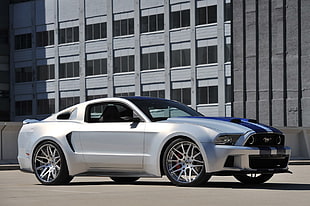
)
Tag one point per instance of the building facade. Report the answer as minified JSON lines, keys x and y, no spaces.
{"x":4,"y":62}
{"x":66,"y":52}
{"x":271,"y":61}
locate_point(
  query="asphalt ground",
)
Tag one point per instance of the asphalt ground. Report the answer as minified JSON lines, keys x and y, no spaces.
{"x":18,"y":188}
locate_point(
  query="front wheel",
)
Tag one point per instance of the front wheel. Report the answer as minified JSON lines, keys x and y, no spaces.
{"x":49,"y":164}
{"x":183,"y":163}
{"x":253,"y":178}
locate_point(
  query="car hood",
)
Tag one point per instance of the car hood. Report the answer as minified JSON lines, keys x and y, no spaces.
{"x":226,"y":124}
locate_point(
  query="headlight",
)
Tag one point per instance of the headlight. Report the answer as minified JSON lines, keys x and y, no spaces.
{"x":226,"y":139}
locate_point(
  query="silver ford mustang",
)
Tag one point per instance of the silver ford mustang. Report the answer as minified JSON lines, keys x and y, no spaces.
{"x":132,"y":137}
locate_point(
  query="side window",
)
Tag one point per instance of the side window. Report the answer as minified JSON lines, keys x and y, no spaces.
{"x":108,"y":112}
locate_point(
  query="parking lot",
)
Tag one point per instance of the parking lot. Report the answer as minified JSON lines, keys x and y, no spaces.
{"x":17,"y":188}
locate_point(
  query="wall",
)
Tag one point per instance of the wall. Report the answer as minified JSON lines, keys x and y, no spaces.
{"x":296,"y":138}
{"x":271,"y":52}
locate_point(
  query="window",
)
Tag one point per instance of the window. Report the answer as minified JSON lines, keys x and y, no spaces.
{"x":46,"y":106}
{"x":152,"y":61}
{"x":108,"y":112}
{"x":206,"y":15}
{"x":68,"y":35}
{"x":206,"y":55}
{"x":227,"y":52}
{"x":67,"y":70}
{"x":182,"y":95}
{"x":124,"y":64}
{"x":46,"y":72}
{"x":123,"y":27}
{"x":124,"y":94}
{"x":179,"y":19}
{"x":228,"y":93}
{"x":23,"y":41}
{"x":152,"y":23}
{"x":180,"y":58}
{"x":96,"y":31}
{"x":68,"y":101}
{"x":91,"y":97}
{"x":96,"y":66}
{"x":227,"y":12}
{"x":23,"y":74}
{"x":23,"y":108}
{"x":207,"y":95}
{"x":45,"y":38}
{"x":156,"y":93}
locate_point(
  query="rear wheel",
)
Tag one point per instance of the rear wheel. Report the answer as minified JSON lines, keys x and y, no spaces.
{"x":124,"y":179}
{"x":49,"y":164}
{"x":253,"y":178}
{"x":183,"y":163}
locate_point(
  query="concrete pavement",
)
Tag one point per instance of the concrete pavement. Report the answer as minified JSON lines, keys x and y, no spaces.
{"x":17,"y":188}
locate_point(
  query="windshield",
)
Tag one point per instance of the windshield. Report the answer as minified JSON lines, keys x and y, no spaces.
{"x":162,"y":109}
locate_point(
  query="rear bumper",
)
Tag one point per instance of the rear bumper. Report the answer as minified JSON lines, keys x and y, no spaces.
{"x":240,"y":159}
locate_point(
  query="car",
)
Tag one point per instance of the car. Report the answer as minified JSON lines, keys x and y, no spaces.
{"x":126,"y":138}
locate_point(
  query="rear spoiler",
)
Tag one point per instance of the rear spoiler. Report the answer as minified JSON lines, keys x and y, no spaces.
{"x":29,"y":121}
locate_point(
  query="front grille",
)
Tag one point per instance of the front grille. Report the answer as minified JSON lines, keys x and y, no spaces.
{"x":272,"y":140}
{"x":268,"y":161}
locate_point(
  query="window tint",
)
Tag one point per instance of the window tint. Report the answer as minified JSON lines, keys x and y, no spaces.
{"x":67,"y":70}
{"x":46,"y":106}
{"x":152,"y":23}
{"x":182,"y":95}
{"x":152,"y":61}
{"x":206,"y":55}
{"x":68,"y":35}
{"x":206,"y":15}
{"x":96,"y":67}
{"x":180,"y":58}
{"x":23,"y":41}
{"x":96,"y":31}
{"x":45,"y":72}
{"x":123,"y":27}
{"x":23,"y":74}
{"x":207,"y":95}
{"x":124,"y":64}
{"x":108,"y":112}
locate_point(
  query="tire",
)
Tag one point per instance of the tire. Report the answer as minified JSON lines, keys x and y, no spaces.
{"x":124,"y":180}
{"x":49,"y":164}
{"x":253,"y":178}
{"x":183,"y":163}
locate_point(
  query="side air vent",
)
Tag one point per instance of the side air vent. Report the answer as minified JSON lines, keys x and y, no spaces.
{"x":68,"y":136}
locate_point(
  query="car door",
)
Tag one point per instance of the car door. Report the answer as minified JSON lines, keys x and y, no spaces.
{"x":111,"y":139}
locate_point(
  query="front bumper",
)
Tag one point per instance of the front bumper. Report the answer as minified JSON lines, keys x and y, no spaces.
{"x":223,"y":159}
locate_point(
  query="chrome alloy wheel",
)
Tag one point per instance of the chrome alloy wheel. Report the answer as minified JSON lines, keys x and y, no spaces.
{"x":184,"y":163}
{"x":47,"y":163}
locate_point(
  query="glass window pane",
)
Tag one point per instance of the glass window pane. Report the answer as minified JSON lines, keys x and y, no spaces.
{"x":227,"y":53}
{"x":62,"y":36}
{"x":117,"y":64}
{"x":186,"y":57}
{"x":212,"y":54}
{"x":76,"y":69}
{"x":202,"y":95}
{"x":186,"y":96}
{"x":212,"y":14}
{"x":103,"y":27}
{"x":76,"y":34}
{"x":70,"y":69}
{"x":175,"y":20}
{"x":39,"y":39}
{"x":152,"y":23}
{"x":201,"y":56}
{"x":160,"y":21}
{"x":96,"y":66}
{"x":185,"y":18}
{"x":44,"y":38}
{"x":69,"y":35}
{"x":145,"y":61}
{"x":131,"y":26}
{"x":116,"y":28}
{"x":213,"y":94}
{"x":153,"y":61}
{"x":144,"y":24}
{"x":124,"y":29}
{"x":227,"y":14}
{"x":124,"y":64}
{"x":175,"y":58}
{"x":104,"y":66}
{"x":161,"y":60}
{"x":176,"y":95}
{"x":51,"y":37}
{"x":89,"y":31}
{"x":131,"y":63}
{"x":62,"y":70}
{"x":89,"y":67}
{"x":96,"y":31}
{"x":201,"y":16}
